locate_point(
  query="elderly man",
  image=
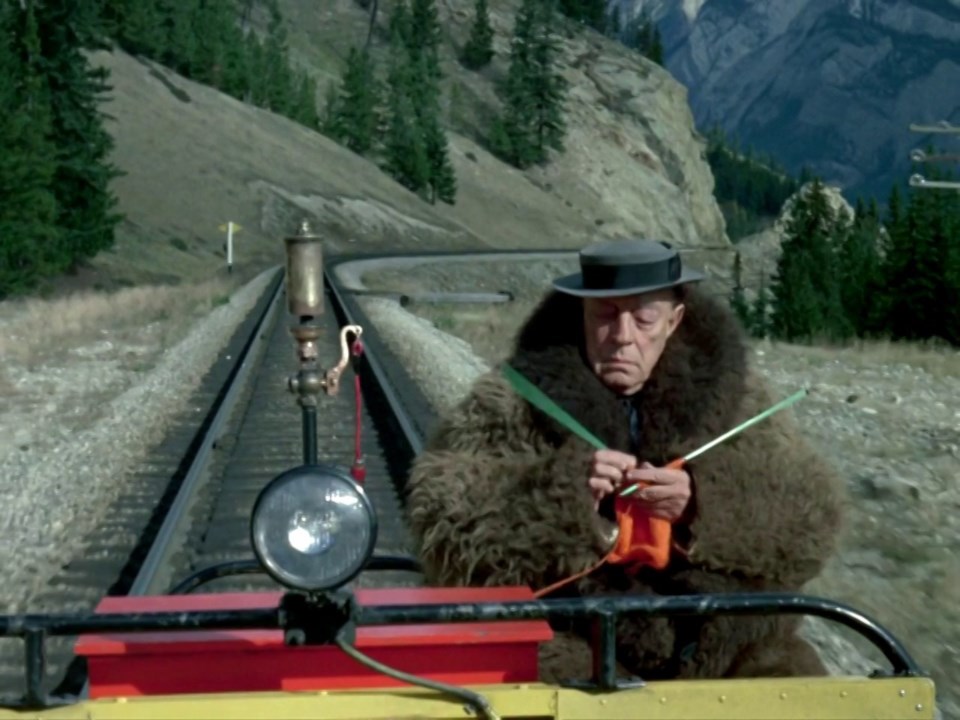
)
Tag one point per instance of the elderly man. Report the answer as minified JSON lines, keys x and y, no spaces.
{"x":632,"y":349}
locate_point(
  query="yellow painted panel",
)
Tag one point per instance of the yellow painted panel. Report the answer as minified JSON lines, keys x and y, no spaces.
{"x":507,"y":700}
{"x":838,"y":698}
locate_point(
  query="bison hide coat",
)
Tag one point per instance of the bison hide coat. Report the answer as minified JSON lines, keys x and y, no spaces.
{"x":499,"y":496}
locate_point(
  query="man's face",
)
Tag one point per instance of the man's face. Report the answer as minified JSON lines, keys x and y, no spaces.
{"x":625,"y":336}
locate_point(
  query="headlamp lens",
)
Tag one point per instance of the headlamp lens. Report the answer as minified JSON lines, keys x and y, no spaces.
{"x":313,"y":528}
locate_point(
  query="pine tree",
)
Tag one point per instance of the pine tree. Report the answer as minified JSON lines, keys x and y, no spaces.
{"x":858,"y":262}
{"x":137,"y":25}
{"x":415,"y":146}
{"x":951,"y":273}
{"x":587,"y":12}
{"x":945,"y":226}
{"x":906,"y":272}
{"x":257,"y":82}
{"x":230,"y":70}
{"x":655,"y":53}
{"x":217,"y":19}
{"x":29,"y":238}
{"x":510,"y":137}
{"x":918,"y":269}
{"x":356,"y":118}
{"x":401,"y":32}
{"x":424,"y":38}
{"x":425,"y":98}
{"x":305,"y":107}
{"x":182,"y":48}
{"x":532,"y":121}
{"x":548,"y":87}
{"x":404,"y":148}
{"x":797,"y":314}
{"x":806,"y":291}
{"x":278,"y":76}
{"x":82,"y":182}
{"x":478,"y":52}
{"x":894,"y":218}
{"x":330,"y":120}
{"x":443,"y":182}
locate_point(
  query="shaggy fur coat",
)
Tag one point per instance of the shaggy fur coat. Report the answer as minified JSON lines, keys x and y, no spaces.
{"x":499,"y":496}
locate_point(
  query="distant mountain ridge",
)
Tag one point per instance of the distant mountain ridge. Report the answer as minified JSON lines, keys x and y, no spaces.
{"x":833,"y":84}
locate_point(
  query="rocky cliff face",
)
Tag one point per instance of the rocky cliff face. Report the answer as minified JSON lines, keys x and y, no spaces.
{"x":634,"y":163}
{"x":831,"y":83}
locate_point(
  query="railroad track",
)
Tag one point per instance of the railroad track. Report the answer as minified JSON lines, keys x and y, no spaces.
{"x":189,"y":508}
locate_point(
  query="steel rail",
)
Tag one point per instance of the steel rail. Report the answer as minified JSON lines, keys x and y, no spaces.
{"x":414,"y":438}
{"x":149,"y":576}
{"x":150,"y":579}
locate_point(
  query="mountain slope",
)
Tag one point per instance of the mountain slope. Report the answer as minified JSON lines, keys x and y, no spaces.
{"x":633,"y":162}
{"x":195,"y":158}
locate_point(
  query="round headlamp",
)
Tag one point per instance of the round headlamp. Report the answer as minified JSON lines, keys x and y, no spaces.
{"x":313,"y":528}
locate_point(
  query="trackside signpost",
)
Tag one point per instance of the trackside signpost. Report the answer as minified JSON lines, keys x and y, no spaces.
{"x":230,"y":228}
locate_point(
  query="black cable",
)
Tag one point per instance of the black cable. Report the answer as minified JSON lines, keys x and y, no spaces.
{"x":477,"y":701}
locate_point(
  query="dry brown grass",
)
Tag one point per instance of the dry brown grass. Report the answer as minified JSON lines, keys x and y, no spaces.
{"x":489,"y":329}
{"x":34,"y":330}
{"x":486,"y":330}
{"x":935,"y":358}
{"x":6,"y":387}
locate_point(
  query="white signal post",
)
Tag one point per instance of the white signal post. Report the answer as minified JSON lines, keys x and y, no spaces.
{"x":231,"y":227}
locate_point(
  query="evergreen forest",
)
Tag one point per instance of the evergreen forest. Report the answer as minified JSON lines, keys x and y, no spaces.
{"x":892,"y":272}
{"x":55,"y":169}
{"x":57,"y":207}
{"x":750,"y":188}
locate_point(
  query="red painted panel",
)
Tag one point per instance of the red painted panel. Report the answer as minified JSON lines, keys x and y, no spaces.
{"x":256,"y":660}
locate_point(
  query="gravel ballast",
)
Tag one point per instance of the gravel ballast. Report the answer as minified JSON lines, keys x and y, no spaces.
{"x":76,"y":426}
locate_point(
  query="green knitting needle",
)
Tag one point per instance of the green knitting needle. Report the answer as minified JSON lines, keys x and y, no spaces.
{"x":537,"y":397}
{"x":739,"y":428}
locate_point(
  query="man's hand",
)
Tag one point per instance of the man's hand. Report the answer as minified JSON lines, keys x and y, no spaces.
{"x":668,"y":492}
{"x":608,"y":470}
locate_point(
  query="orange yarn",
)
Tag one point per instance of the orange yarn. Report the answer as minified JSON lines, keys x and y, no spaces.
{"x":642,"y":540}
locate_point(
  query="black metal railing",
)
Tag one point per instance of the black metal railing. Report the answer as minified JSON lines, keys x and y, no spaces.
{"x":328,"y":611}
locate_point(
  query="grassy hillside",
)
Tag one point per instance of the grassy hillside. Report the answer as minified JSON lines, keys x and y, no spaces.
{"x":194,"y":158}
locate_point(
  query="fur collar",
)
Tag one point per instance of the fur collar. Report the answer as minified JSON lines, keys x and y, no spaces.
{"x":692,"y":395}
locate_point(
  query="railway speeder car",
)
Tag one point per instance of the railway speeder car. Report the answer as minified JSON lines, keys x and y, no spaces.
{"x":318,"y":650}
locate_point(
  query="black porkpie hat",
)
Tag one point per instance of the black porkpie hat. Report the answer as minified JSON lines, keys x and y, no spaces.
{"x":613,"y":268}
